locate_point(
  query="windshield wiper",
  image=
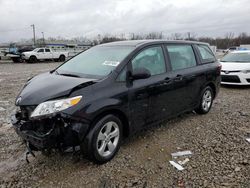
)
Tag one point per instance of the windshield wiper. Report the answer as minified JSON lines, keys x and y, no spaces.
{"x":70,"y":75}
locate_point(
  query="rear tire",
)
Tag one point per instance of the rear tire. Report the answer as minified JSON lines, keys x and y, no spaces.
{"x":206,"y":101}
{"x":104,"y":140}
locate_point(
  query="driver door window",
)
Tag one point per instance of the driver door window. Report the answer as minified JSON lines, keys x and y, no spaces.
{"x":41,"y":50}
{"x":152,"y":59}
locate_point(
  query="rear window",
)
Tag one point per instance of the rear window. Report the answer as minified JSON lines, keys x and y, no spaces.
{"x":207,"y":56}
{"x":181,"y":56}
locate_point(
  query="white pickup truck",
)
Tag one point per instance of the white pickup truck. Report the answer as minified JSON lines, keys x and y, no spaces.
{"x":41,"y":54}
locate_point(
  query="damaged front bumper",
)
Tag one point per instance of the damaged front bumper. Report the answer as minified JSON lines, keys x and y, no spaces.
{"x":58,"y":131}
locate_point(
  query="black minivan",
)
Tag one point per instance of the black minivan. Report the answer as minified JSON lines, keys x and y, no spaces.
{"x":112,"y":90}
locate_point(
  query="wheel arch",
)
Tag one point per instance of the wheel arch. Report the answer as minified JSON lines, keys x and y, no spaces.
{"x":33,"y":56}
{"x":212,"y":85}
{"x":118,"y":113}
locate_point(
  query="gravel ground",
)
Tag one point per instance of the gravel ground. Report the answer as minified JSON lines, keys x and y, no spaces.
{"x":221,"y":155}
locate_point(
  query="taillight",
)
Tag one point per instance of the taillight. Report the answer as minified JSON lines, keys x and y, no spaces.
{"x":219,"y":67}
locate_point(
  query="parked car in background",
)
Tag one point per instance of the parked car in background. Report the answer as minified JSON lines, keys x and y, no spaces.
{"x":16,"y":55}
{"x":42,"y":54}
{"x":236,"y":68}
{"x":231,"y":49}
{"x":113,"y":90}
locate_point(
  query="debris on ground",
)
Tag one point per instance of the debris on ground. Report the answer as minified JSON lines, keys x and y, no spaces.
{"x":184,"y":161}
{"x":248,"y":139}
{"x":181,"y":153}
{"x":176,"y":165}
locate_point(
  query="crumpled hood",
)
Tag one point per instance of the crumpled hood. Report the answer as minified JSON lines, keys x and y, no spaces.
{"x":48,"y":86}
{"x":235,"y":66}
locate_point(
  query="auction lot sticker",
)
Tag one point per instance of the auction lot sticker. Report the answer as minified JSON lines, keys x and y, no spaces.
{"x":111,"y":63}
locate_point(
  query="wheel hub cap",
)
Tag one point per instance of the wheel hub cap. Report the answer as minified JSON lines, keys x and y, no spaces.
{"x":108,"y":138}
{"x":207,"y":100}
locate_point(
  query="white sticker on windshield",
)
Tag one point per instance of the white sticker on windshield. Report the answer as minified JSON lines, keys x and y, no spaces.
{"x":111,"y":63}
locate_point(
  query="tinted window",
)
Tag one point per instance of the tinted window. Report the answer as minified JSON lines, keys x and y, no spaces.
{"x":41,"y":50}
{"x":152,"y":59}
{"x":206,"y":53}
{"x":97,"y":61}
{"x":181,"y":56}
{"x":47,"y":50}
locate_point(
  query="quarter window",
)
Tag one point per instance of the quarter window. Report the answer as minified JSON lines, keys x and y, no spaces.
{"x":206,"y":54}
{"x":181,"y":56}
{"x":152,"y":59}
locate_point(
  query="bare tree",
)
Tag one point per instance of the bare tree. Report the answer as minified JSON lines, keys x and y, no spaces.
{"x":229,"y":36}
{"x":191,"y":36}
{"x":176,"y":36}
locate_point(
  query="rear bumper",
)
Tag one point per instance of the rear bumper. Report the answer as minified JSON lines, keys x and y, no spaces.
{"x":53,"y":132}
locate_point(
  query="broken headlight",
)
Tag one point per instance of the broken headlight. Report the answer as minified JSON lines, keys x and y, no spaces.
{"x":51,"y":107}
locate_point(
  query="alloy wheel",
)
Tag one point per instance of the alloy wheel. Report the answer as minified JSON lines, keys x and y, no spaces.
{"x":108,"y":139}
{"x":206,"y":100}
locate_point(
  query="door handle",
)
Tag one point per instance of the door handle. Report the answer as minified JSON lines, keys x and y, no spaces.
{"x":164,"y":82}
{"x":191,"y":76}
{"x":178,"y":78}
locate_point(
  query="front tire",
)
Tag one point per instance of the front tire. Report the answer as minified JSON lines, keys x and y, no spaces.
{"x":104,"y":140}
{"x":32,"y":59}
{"x":62,"y":58}
{"x":206,"y":101}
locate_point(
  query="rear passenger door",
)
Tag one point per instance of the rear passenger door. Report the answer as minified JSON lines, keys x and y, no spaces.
{"x":183,"y":64}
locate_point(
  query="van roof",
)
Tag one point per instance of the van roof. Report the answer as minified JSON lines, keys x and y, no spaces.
{"x":142,"y":42}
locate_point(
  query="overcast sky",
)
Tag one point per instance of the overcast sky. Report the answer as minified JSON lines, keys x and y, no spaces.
{"x":75,"y":18}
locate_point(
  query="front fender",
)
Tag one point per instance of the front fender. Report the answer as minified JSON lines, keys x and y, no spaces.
{"x":103,"y":105}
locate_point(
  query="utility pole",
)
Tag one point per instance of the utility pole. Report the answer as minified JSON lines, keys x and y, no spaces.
{"x":34,"y":34}
{"x":43,"y":39}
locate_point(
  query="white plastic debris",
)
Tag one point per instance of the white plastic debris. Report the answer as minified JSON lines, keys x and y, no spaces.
{"x":184,"y":161}
{"x":2,"y":109}
{"x":248,"y":139}
{"x":181,"y":153}
{"x":176,"y":165}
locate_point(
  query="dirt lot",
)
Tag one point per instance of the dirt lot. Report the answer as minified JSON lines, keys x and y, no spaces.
{"x":221,"y":155}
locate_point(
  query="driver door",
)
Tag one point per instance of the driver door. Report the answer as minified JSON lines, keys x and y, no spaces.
{"x":142,"y":91}
{"x":40,"y":53}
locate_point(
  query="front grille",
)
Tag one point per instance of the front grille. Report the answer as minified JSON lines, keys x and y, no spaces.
{"x":227,"y":72}
{"x":230,"y":78}
{"x":26,"y":111}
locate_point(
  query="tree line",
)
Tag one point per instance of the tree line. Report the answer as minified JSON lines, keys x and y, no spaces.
{"x":228,"y":40}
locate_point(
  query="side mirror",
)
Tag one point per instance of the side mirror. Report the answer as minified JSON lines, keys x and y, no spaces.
{"x":140,"y":73}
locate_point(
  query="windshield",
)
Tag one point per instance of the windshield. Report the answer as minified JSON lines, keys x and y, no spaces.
{"x":98,"y":61}
{"x":36,"y":49}
{"x":237,"y":57}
